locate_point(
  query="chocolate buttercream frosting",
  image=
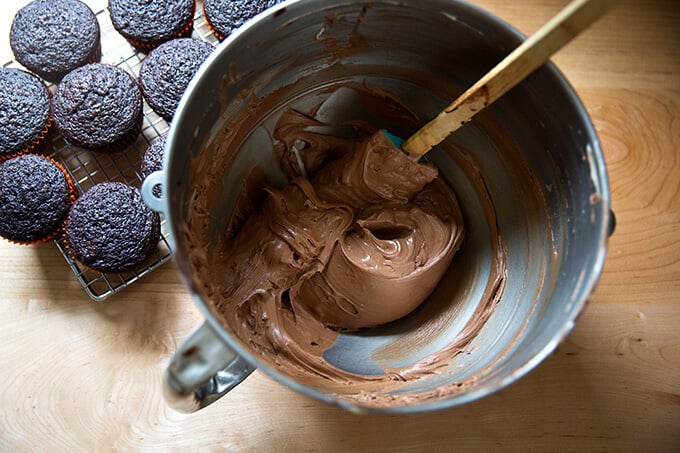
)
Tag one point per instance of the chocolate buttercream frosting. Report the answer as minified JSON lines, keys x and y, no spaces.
{"x":360,"y":243}
{"x":360,"y":237}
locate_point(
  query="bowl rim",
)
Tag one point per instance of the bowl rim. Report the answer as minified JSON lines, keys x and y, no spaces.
{"x":595,"y":158}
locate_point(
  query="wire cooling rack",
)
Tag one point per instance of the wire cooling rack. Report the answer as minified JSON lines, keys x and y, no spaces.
{"x":89,"y":168}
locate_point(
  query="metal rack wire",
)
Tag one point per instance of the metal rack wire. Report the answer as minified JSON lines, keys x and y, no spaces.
{"x":90,"y":168}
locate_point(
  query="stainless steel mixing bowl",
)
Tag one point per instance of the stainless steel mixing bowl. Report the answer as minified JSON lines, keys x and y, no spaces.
{"x":535,"y":150}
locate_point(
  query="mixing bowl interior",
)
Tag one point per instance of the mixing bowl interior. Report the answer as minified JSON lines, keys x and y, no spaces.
{"x":528,"y":173}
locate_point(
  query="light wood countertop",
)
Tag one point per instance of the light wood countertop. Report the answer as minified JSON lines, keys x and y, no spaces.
{"x":78,"y":375}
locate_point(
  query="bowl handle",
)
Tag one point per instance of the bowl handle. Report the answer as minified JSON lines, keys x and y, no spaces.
{"x":154,"y":199}
{"x":202,"y":370}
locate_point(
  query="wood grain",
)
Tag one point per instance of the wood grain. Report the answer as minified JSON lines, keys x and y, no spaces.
{"x":531,"y":54}
{"x":81,"y":376}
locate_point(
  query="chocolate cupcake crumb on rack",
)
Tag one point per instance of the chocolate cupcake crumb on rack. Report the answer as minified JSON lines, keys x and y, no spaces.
{"x":148,"y":23}
{"x":24,"y":112}
{"x":223,"y":17}
{"x":53,"y":37}
{"x":98,"y":107}
{"x":167,"y":71}
{"x":109,"y":229}
{"x":35,"y":196}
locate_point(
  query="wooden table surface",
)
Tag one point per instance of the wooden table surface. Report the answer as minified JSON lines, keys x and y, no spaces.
{"x":78,"y":375}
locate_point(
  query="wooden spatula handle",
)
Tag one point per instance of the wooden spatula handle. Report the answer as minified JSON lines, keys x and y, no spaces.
{"x":529,"y":56}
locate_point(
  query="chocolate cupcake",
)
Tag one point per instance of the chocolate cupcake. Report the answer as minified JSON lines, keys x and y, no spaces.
{"x":148,"y":23}
{"x":167,"y":71}
{"x":223,"y":17}
{"x":24,"y":112}
{"x":98,"y":107}
{"x":109,"y":228}
{"x":53,"y":37}
{"x":153,"y":156}
{"x":35,"y":196}
{"x":153,"y":160}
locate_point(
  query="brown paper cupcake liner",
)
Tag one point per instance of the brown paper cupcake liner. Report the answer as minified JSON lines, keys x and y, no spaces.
{"x":145,"y":47}
{"x":215,"y":33}
{"x":142,"y":265}
{"x":35,"y":145}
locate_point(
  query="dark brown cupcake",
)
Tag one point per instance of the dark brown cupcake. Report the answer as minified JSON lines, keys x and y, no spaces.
{"x":109,"y":229}
{"x":98,"y":107}
{"x":53,"y":37}
{"x":147,"y":24}
{"x":153,"y":161}
{"x":35,"y":196}
{"x":167,"y":71}
{"x":153,"y":156}
{"x":223,"y":17}
{"x":24,"y":112}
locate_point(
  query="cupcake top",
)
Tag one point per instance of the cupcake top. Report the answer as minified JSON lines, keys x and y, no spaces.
{"x":224,"y":17}
{"x":35,"y":196}
{"x":53,"y":37}
{"x":98,"y":106}
{"x":153,"y":161}
{"x":153,"y":156}
{"x":109,"y":229}
{"x":24,"y":111}
{"x":148,"y":23}
{"x":167,"y":71}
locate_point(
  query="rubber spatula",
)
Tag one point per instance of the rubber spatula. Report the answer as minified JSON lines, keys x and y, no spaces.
{"x":525,"y":59}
